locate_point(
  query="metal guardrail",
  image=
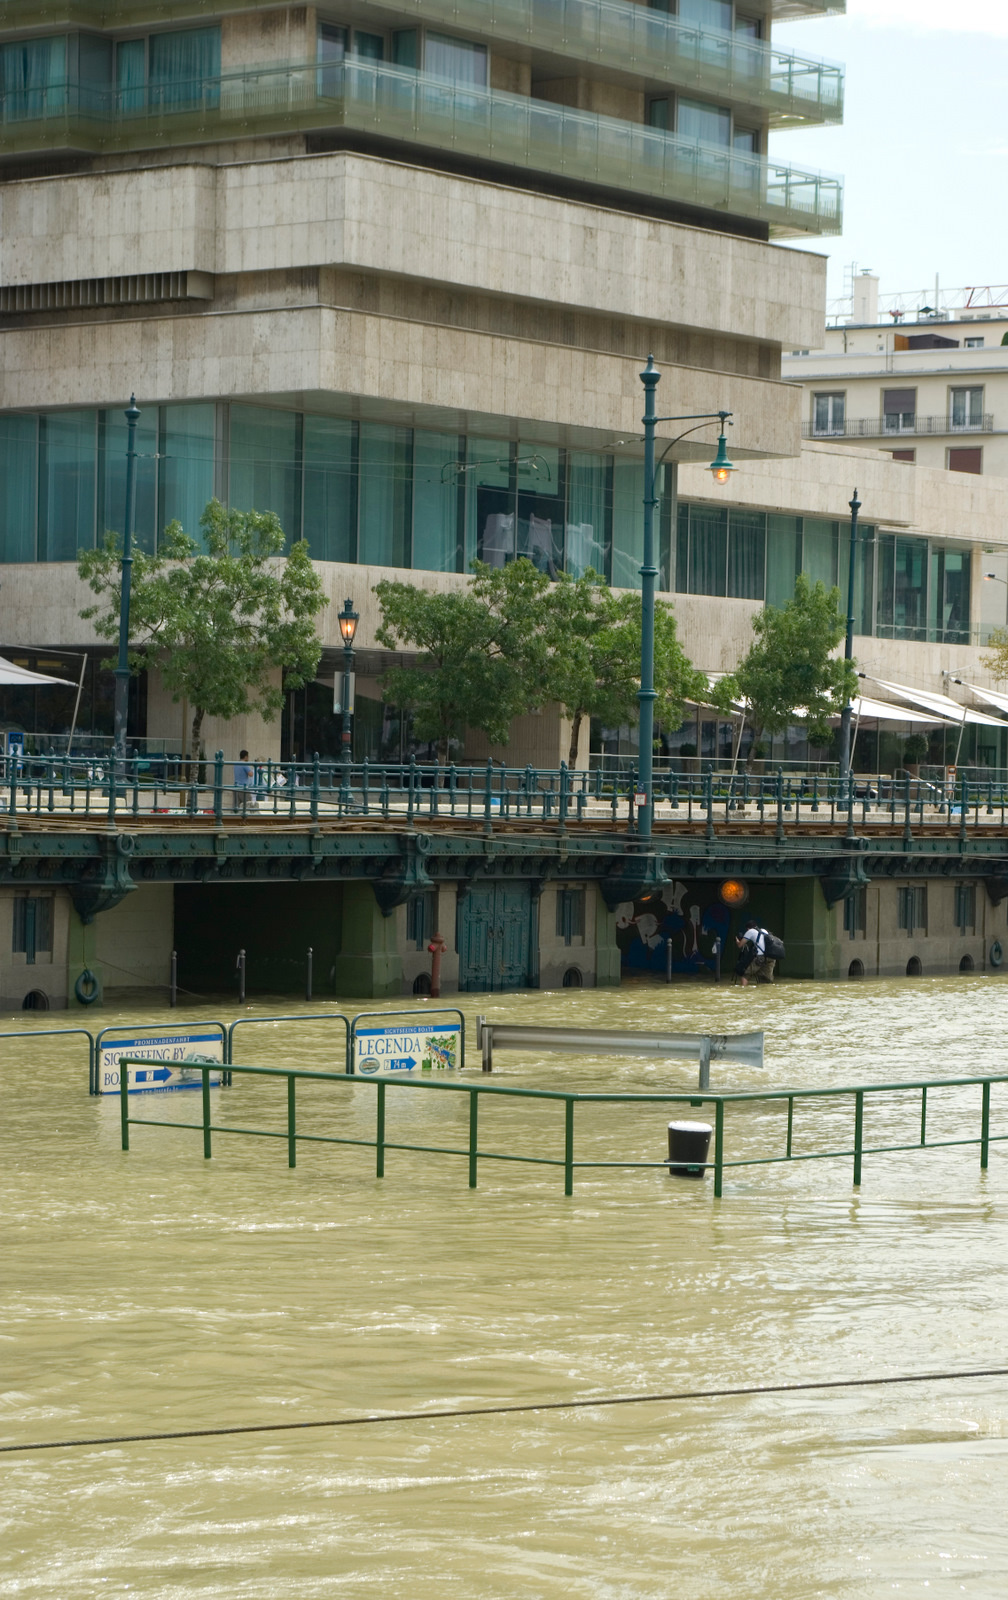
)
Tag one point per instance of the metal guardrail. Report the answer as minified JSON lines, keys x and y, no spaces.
{"x":701,"y":1047}
{"x":570,"y":1100}
{"x":51,"y":1033}
{"x":121,"y":792}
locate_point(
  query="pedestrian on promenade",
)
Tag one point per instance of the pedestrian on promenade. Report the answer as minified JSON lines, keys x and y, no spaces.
{"x":244,"y":778}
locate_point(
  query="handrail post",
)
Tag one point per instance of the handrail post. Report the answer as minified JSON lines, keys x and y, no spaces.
{"x":858,"y":1135}
{"x":569,"y":1145}
{"x":473,"y":1134}
{"x":123,"y":1103}
{"x":380,"y":1132}
{"x":291,"y":1121}
{"x":315,"y":785}
{"x":985,"y":1125}
{"x":923,"y":1116}
{"x":718,"y":1148}
{"x":790,"y":1125}
{"x":205,"y":1074}
{"x":488,"y":797}
{"x":780,"y":805}
{"x":218,"y":787}
{"x":963,"y":803}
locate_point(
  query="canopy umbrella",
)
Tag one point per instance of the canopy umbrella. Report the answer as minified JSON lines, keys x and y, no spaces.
{"x":991,"y":697}
{"x":948,"y":709}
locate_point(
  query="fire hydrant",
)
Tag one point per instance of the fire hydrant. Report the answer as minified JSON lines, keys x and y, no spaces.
{"x":437,"y":948}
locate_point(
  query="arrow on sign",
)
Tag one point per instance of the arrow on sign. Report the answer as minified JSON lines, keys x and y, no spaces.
{"x":402,"y":1064}
{"x":155,"y":1075}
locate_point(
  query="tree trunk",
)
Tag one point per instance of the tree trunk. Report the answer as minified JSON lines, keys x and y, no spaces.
{"x":572,"y":753}
{"x":194,"y":734}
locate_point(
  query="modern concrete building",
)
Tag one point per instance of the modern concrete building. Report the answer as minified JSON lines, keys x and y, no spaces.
{"x":391,"y":270}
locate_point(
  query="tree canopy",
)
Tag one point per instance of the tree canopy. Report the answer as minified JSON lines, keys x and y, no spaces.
{"x":229,"y":626}
{"x":789,"y":671}
{"x":513,"y":641}
{"x":995,"y":659}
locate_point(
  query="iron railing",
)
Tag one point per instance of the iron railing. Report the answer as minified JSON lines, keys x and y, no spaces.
{"x":507,"y":130}
{"x":133,"y":791}
{"x":473,"y":1152}
{"x":894,"y":428}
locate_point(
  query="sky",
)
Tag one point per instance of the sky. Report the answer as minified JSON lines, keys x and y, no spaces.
{"x":924,"y":145}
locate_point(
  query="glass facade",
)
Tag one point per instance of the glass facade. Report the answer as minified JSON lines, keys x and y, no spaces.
{"x":434,"y":501}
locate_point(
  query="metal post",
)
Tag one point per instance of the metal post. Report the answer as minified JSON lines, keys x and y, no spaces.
{"x":650,"y":378}
{"x":858,"y":1135}
{"x":291,"y":1122}
{"x":569,"y":1146}
{"x":122,"y":671}
{"x":207,"y":1152}
{"x":218,"y":786}
{"x":173,"y":980}
{"x":240,"y":964}
{"x":704,"y":1081}
{"x":380,"y":1133}
{"x":718,"y":1148}
{"x":123,"y":1103}
{"x":845,"y":715}
{"x":473,"y":1135}
{"x":308,"y":983}
{"x":985,"y":1126}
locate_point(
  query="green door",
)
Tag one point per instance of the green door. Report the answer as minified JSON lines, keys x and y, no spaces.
{"x":495,"y":925}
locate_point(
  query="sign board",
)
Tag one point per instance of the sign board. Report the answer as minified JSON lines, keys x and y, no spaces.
{"x":173,"y":1055}
{"x":415,"y":1047}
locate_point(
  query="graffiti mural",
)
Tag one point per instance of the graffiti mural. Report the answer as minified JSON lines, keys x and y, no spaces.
{"x":684,"y":917}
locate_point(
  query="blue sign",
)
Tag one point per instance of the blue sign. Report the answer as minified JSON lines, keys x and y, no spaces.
{"x":421,"y":1046}
{"x":175,"y":1055}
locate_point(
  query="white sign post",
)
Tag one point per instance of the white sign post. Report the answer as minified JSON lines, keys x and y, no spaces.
{"x":413,"y":1047}
{"x":174,"y":1055}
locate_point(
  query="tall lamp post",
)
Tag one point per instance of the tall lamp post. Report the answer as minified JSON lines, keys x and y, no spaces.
{"x":845,"y":715}
{"x":721,"y":469}
{"x":348,"y":620}
{"x":122,"y":671}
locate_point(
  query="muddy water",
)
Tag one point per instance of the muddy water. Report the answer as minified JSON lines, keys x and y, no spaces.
{"x":156,"y":1291}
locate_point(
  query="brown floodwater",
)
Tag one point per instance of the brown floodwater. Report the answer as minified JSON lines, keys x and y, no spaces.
{"x":155,"y":1291}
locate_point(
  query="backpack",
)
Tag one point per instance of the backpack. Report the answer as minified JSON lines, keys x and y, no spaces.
{"x":773,"y":946}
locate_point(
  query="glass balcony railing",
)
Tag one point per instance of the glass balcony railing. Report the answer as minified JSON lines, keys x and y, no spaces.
{"x":505,"y":131}
{"x":614,"y":35}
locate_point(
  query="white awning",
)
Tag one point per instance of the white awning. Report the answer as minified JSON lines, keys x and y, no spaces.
{"x":867,"y":710}
{"x":991,"y":696}
{"x":11,"y":674}
{"x":947,"y":710}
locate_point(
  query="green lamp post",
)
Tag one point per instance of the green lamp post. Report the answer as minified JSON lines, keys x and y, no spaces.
{"x":122,"y":671}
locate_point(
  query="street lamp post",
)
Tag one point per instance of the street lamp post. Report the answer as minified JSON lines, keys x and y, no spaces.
{"x":348,"y":620}
{"x":721,"y":468}
{"x":845,"y":715}
{"x":122,"y":671}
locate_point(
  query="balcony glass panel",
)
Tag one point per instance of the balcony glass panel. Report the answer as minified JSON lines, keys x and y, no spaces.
{"x":33,"y":74}
{"x":18,"y":487}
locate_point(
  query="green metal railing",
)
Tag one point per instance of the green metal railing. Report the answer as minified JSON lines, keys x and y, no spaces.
{"x":473,"y":1153}
{"x":124,"y":791}
{"x":27,"y":1034}
{"x":508,"y":130}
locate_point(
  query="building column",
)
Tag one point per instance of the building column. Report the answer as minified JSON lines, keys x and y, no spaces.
{"x":369,"y":964}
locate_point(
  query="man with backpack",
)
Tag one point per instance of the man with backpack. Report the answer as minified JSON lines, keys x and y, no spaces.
{"x":759,"y":952}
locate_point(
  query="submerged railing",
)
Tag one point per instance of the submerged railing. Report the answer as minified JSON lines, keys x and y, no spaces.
{"x":473,"y":1152}
{"x":147,"y":788}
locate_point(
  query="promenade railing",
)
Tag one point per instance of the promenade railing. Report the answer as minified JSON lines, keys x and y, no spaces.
{"x":854,"y":1098}
{"x":121,"y":791}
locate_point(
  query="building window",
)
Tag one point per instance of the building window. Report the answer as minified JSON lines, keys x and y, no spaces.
{"x":420,"y":919}
{"x":33,"y":926}
{"x":828,"y":413}
{"x":966,"y":408}
{"x":913,"y":910}
{"x":965,"y":907}
{"x":703,"y":123}
{"x":899,"y":410}
{"x":976,"y":343}
{"x":904,"y":455}
{"x":855,"y":914}
{"x":570,"y":915}
{"x":968,"y":460}
{"x":455,"y":60}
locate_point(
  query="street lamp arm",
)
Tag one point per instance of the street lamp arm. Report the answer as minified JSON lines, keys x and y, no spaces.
{"x":708,"y":416}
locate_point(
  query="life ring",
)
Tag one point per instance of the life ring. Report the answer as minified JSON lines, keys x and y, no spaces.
{"x":87,"y":988}
{"x":996,"y":954}
{"x":126,"y":844}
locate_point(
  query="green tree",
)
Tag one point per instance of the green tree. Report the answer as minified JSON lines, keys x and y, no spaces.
{"x":995,"y":658}
{"x":229,"y":628}
{"x":594,"y":645}
{"x":789,"y":670}
{"x":481,"y":652}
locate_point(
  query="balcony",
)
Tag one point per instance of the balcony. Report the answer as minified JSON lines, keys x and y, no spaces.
{"x":613,"y":36}
{"x":894,"y":428}
{"x":510,"y":133}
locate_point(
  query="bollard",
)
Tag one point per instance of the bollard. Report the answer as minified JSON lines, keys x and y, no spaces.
{"x":705,"y":1050}
{"x":437,"y":948}
{"x":308,"y":981}
{"x":716,"y":952}
{"x":688,"y":1144}
{"x":668,"y":960}
{"x":173,"y":980}
{"x":240,"y":964}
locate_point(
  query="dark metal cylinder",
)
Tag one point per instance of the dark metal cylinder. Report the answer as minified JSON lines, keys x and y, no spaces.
{"x":308,"y":981}
{"x":241,"y":977}
{"x":688,"y":1144}
{"x":173,"y":980}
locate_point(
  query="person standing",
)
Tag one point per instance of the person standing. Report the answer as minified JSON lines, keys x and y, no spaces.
{"x":244,"y":777}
